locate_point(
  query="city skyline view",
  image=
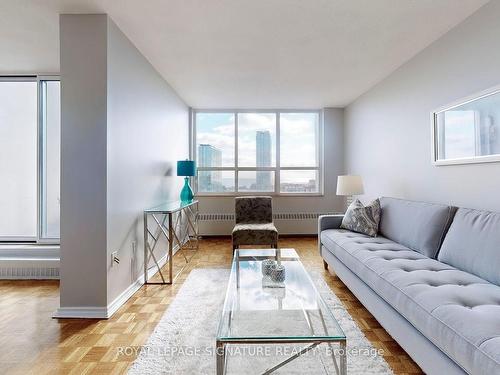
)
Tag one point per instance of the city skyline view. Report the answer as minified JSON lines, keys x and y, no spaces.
{"x":256,"y":144}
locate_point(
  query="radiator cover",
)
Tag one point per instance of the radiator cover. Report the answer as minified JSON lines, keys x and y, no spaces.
{"x":287,"y":223}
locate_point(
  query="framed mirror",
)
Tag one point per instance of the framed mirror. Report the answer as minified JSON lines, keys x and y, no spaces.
{"x":467,"y":131}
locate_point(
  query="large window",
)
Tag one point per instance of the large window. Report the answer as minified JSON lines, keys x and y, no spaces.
{"x":18,"y":159}
{"x":275,"y":152}
{"x":29,"y":158}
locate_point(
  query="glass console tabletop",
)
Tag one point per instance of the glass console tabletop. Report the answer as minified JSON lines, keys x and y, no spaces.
{"x":171,"y":206}
{"x":288,"y":312}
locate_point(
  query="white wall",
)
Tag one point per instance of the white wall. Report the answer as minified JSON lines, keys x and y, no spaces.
{"x":388,"y":137}
{"x":334,"y":165}
{"x":83,"y":156}
{"x":147,"y":133}
{"x":123,"y":129}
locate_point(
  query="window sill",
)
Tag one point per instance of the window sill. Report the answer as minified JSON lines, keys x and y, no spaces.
{"x":19,"y":252}
{"x":221,"y":195}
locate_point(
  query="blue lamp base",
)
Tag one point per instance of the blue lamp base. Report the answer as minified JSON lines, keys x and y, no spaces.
{"x":186,"y":192}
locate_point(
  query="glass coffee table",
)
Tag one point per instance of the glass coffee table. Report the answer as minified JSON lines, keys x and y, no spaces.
{"x":260,"y":311}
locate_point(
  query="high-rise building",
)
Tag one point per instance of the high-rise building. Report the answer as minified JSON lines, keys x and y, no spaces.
{"x":263,"y":159}
{"x":209,"y":156}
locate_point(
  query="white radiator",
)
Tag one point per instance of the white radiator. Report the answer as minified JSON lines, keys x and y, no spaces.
{"x":217,"y":224}
{"x":27,"y":261}
{"x":18,"y":273}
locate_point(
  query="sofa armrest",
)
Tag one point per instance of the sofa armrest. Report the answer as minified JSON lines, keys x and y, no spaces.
{"x":329,"y":222}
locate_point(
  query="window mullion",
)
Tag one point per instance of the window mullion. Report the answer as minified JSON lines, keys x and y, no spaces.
{"x":235,"y":152}
{"x":278,"y":161}
{"x":307,"y":168}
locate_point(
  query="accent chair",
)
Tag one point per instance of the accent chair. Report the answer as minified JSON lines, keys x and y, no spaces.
{"x":254,"y":222}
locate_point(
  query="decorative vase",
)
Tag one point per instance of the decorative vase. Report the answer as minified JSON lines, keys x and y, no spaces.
{"x":267,"y":265}
{"x":186,"y":192}
{"x":278,"y":273}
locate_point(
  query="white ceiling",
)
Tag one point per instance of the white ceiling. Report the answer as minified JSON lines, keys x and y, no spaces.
{"x":247,"y":53}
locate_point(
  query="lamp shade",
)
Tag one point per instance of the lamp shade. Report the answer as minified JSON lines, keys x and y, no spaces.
{"x":186,"y":168}
{"x":349,"y":185}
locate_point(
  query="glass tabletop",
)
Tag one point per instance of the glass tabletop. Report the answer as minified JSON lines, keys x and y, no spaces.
{"x":171,"y":206}
{"x":260,"y":309}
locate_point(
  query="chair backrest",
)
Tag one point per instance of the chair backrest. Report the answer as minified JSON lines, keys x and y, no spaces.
{"x":253,"y":210}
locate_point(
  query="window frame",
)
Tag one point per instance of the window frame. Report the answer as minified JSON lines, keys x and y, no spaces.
{"x":276,"y":169}
{"x":39,"y":79}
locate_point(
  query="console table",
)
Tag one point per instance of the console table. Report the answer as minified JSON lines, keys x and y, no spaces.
{"x":177,"y":222}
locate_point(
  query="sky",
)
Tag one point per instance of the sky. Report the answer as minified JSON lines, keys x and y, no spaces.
{"x":298,"y":133}
{"x":18,"y":158}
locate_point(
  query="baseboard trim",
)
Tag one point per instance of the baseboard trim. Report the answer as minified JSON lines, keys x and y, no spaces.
{"x":124,"y":296}
{"x":81,"y":313}
{"x":134,"y":287}
{"x":108,"y":311}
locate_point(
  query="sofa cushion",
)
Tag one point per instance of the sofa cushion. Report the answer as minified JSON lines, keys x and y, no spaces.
{"x":362,"y":219}
{"x":457,"y":311}
{"x":472,"y":244}
{"x":419,"y":226}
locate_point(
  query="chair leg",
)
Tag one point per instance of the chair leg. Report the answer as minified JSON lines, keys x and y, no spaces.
{"x":234,"y":248}
{"x":325,"y":264}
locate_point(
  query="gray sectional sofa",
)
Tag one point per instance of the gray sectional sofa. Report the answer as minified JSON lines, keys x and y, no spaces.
{"x":431,"y":278}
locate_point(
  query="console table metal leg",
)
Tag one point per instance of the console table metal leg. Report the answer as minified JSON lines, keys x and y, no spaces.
{"x":181,"y":227}
{"x":197,"y":226}
{"x":220,"y":352}
{"x":170,"y":248}
{"x":149,"y":250}
{"x":145,"y":248}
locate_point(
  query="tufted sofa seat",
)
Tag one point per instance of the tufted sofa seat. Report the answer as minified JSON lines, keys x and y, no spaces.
{"x":439,"y":273}
{"x":457,"y":311}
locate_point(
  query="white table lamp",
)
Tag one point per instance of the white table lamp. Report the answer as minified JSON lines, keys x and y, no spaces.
{"x":349,"y":186}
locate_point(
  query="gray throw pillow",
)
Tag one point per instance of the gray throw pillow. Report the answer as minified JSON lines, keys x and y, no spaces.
{"x":362,"y":219}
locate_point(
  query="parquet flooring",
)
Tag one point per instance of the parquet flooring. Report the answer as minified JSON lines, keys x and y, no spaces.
{"x":34,"y":343}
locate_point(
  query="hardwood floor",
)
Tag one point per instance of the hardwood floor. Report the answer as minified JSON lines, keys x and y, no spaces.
{"x":34,"y":343}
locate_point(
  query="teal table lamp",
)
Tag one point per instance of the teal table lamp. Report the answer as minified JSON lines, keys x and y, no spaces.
{"x":186,"y":168}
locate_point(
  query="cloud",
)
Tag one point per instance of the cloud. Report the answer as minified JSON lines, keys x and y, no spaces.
{"x":298,"y":136}
{"x":298,"y":139}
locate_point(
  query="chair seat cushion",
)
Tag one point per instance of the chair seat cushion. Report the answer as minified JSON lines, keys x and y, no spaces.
{"x":457,"y":311}
{"x":255,"y":234}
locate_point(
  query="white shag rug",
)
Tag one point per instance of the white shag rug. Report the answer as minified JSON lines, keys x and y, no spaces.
{"x":184,"y":340}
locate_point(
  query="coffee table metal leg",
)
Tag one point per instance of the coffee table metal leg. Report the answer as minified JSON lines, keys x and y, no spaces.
{"x":335,"y":364}
{"x":220,"y":354}
{"x":343,"y":358}
{"x":341,"y":366}
{"x":296,"y":355}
